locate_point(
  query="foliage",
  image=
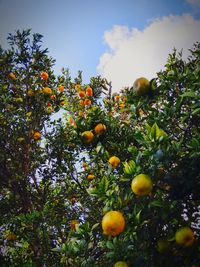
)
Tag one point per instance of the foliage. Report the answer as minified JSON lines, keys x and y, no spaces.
{"x":50,"y":212}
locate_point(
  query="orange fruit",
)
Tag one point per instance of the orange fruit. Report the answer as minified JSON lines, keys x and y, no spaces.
{"x":88,"y":136}
{"x":89,"y":91}
{"x":185,"y":236}
{"x":37,"y":136}
{"x":46,"y":90}
{"x":100,"y":128}
{"x":114,"y":162}
{"x":53,"y":97}
{"x":90,"y":177}
{"x":117,"y":97}
{"x":61,"y":88}
{"x":62,"y":103}
{"x":113,"y":223}
{"x":141,"y":86}
{"x":121,"y":264}
{"x":12,"y":76}
{"x":142,"y":185}
{"x":81,"y":94}
{"x":81,"y":102}
{"x":87,"y":102}
{"x":44,"y":75}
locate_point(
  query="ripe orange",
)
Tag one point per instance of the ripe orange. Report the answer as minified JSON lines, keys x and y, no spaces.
{"x":44,"y":75}
{"x":37,"y":136}
{"x":88,"y":136}
{"x":117,"y":97}
{"x":114,"y":162}
{"x":121,"y":264}
{"x":100,"y":128}
{"x":61,"y":88}
{"x":87,"y":102}
{"x":185,"y":236}
{"x":90,"y":177}
{"x":62,"y":103}
{"x":53,"y":97}
{"x":141,"y":86}
{"x":46,"y":90}
{"x":81,"y":102}
{"x":113,"y":223}
{"x":81,"y":94}
{"x":142,"y":185}
{"x":12,"y":76}
{"x":89,"y":91}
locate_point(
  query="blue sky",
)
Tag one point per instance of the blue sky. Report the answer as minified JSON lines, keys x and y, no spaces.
{"x":75,"y":30}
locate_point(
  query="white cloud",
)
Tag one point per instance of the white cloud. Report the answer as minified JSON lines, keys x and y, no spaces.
{"x":134,"y":53}
{"x":194,"y":3}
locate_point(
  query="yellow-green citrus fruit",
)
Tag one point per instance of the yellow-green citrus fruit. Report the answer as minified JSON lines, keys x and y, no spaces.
{"x":113,"y":223}
{"x":141,"y":86}
{"x":121,"y":264}
{"x":142,"y":185}
{"x":185,"y":236}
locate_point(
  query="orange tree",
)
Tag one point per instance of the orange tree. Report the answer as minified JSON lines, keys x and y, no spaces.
{"x":115,"y":182}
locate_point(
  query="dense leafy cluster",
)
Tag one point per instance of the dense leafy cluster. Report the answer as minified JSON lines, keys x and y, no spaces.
{"x":59,"y":177}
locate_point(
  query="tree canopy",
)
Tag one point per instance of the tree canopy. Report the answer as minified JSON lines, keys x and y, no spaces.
{"x":115,"y":181}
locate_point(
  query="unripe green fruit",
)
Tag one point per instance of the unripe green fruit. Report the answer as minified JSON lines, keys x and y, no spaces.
{"x":141,"y":86}
{"x":19,"y":100}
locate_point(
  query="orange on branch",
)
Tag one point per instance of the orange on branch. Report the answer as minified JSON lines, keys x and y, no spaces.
{"x":142,"y":185}
{"x":44,"y":75}
{"x":81,"y":94}
{"x":185,"y":236}
{"x":89,"y":91}
{"x":113,"y":223}
{"x":87,"y":102}
{"x":37,"y":136}
{"x":88,"y":136}
{"x":100,"y":128}
{"x":114,"y":162}
{"x":46,"y":90}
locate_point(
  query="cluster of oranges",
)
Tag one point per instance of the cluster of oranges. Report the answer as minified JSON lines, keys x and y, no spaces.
{"x":88,"y":136}
{"x":85,"y":95}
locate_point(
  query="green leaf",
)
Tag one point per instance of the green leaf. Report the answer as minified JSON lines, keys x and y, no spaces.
{"x":109,"y":245}
{"x":188,"y":94}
